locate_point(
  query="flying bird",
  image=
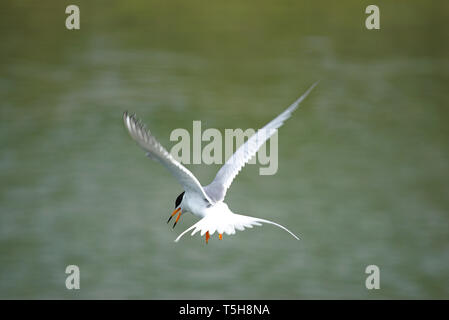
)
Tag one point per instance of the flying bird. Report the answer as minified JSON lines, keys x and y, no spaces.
{"x":207,"y":202}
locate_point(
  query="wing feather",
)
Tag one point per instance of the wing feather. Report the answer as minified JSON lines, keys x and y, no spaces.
{"x":157,"y":152}
{"x":217,"y":189}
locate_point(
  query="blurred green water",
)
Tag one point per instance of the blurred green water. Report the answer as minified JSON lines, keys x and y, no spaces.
{"x":363,"y":164}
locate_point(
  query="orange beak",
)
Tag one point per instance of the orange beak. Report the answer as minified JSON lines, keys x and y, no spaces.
{"x":173,"y":213}
{"x":177,"y":218}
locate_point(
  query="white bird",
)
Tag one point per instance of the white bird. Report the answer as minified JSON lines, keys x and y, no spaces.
{"x":207,"y":202}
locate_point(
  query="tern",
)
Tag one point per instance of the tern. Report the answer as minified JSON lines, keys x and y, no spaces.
{"x":206,"y":202}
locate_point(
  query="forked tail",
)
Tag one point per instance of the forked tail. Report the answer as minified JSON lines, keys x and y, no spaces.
{"x":228,"y":223}
{"x":277,"y":225}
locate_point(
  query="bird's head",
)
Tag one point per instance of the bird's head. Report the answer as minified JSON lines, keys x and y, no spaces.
{"x":178,"y":209}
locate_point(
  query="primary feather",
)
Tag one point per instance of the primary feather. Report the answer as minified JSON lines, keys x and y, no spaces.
{"x":217,"y":189}
{"x":157,"y":152}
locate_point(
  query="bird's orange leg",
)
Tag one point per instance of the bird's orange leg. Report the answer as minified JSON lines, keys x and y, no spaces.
{"x":207,"y":236}
{"x":220,"y":236}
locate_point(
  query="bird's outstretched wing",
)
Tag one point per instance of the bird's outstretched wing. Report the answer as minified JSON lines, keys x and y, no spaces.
{"x":157,"y":152}
{"x":217,"y":189}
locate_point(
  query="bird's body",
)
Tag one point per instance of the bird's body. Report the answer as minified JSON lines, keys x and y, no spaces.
{"x":198,"y":207}
{"x":206,"y":202}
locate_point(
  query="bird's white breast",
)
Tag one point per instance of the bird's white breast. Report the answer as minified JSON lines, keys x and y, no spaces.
{"x":194,"y":204}
{"x":200,"y":208}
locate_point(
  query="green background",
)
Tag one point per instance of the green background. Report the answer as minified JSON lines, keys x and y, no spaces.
{"x":363,"y":164}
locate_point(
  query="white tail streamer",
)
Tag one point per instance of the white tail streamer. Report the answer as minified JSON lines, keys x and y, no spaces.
{"x":228,"y":223}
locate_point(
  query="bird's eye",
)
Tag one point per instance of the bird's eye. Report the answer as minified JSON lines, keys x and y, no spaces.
{"x":178,"y":200}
